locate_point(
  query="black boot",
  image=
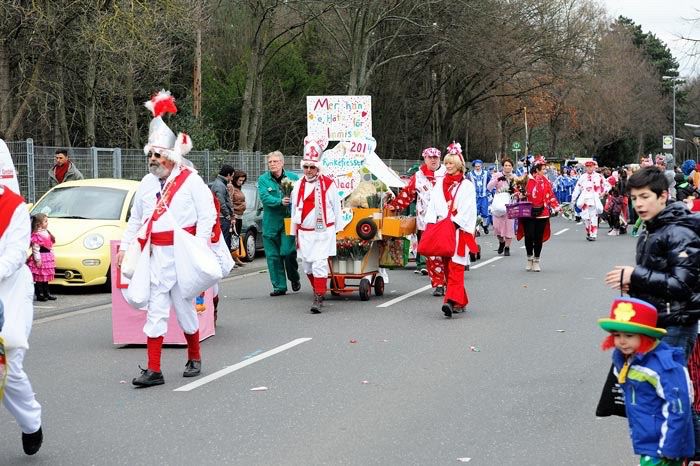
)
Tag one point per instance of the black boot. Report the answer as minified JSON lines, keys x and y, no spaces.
{"x":47,"y":292}
{"x":32,"y":442}
{"x":447,"y":309}
{"x":39,"y":291}
{"x":506,"y":251}
{"x":501,"y":247}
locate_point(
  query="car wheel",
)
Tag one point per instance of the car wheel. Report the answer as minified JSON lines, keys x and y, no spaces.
{"x":249,"y":244}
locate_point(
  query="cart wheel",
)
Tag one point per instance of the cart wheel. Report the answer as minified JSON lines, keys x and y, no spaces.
{"x":378,"y":285}
{"x":366,"y":229}
{"x":365,"y":288}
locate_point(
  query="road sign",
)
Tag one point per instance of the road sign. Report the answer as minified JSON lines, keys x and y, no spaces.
{"x":668,"y":142}
{"x":516,"y":146}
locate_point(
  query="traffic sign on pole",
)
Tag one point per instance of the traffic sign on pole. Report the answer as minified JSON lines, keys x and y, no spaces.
{"x":516,"y":146}
{"x":667,"y":142}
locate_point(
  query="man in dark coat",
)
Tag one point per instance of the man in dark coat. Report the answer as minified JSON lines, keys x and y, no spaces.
{"x":219,"y":188}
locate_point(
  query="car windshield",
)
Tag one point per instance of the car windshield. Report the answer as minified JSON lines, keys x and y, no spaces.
{"x":250,"y":195}
{"x":85,"y":202}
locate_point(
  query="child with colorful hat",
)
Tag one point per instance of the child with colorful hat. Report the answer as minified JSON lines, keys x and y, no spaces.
{"x":655,"y":382}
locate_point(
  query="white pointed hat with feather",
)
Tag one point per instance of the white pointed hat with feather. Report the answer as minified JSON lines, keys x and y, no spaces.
{"x":161,"y":138}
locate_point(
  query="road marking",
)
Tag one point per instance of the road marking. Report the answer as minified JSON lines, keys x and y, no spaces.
{"x":561,"y":231}
{"x":481,"y":264}
{"x":407,"y":295}
{"x":427,"y":287}
{"x":43,"y":320}
{"x":240,"y":365}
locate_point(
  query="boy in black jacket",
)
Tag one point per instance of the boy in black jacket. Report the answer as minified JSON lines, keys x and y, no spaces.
{"x":668,"y":261}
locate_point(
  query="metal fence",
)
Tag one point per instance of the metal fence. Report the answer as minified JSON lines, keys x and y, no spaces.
{"x":34,"y":162}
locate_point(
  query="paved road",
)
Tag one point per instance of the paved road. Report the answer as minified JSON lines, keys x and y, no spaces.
{"x":397,"y":384}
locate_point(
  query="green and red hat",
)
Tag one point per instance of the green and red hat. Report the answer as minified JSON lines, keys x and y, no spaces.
{"x":631,"y":315}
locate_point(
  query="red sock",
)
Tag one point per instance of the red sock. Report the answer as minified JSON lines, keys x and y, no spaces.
{"x":193,"y":346}
{"x":153,"y":348}
{"x":320,"y":285}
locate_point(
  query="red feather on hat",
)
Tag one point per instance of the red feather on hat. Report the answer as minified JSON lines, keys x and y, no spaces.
{"x":161,"y":103}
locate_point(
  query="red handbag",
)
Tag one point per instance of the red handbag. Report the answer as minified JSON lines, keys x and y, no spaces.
{"x":438,"y":239}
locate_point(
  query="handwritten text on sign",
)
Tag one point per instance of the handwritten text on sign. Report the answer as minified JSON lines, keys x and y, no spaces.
{"x":339,"y":117}
{"x":343,"y":163}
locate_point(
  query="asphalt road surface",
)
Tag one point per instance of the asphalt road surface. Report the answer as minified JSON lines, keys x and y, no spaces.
{"x":514,"y":381}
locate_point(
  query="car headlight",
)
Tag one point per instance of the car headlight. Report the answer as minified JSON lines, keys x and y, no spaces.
{"x":93,"y":241}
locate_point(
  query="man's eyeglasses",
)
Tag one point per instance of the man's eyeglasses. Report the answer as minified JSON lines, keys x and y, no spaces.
{"x":153,"y":154}
{"x":307,"y":167}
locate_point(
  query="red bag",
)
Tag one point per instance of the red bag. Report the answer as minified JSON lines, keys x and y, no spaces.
{"x":439,"y":239}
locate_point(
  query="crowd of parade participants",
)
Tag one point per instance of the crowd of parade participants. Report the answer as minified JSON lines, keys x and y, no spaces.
{"x":653,"y":333}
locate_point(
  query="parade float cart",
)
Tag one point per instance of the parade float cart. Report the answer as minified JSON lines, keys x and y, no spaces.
{"x":353,"y":165}
{"x":128,"y":322}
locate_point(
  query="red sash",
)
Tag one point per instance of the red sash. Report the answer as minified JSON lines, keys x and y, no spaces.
{"x":168,"y":192}
{"x":309,"y":203}
{"x":9,"y":201}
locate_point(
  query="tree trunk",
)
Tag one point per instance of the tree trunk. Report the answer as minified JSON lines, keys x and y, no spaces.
{"x":244,"y":142}
{"x":5,"y":98}
{"x":256,"y":129}
{"x":131,"y":116}
{"x":90,"y":104}
{"x":23,"y":108}
{"x":197,"y":78}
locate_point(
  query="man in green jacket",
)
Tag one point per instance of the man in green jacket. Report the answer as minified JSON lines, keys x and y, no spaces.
{"x":280,"y":249}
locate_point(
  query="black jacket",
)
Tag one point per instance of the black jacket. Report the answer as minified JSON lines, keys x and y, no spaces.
{"x":668,"y":266}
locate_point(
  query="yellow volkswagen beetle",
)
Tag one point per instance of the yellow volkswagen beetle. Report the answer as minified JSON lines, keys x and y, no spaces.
{"x":85,"y":216}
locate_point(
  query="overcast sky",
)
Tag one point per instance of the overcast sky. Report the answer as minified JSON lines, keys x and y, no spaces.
{"x":668,"y":20}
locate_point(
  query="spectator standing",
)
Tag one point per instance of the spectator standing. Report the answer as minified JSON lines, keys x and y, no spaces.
{"x":220,"y":190}
{"x":42,"y":261}
{"x":655,"y":383}
{"x":63,"y":170}
{"x":280,"y":250}
{"x":237,"y":196}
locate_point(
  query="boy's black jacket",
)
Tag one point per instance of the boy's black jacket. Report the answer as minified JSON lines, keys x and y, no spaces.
{"x":668,"y":266}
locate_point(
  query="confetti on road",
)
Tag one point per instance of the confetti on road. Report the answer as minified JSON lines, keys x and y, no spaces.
{"x":561,"y":331}
{"x":524,"y":286}
{"x":353,"y":341}
{"x":259,"y":389}
{"x":475,"y":349}
{"x":464,"y":460}
{"x":365,"y":382}
{"x":122,"y":381}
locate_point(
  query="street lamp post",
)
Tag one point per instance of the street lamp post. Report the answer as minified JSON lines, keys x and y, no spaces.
{"x":674,"y":80}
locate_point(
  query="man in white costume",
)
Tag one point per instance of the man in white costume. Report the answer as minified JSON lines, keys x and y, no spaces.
{"x":16,"y":295}
{"x":587,"y":193}
{"x":174,"y":187}
{"x":315,"y":213}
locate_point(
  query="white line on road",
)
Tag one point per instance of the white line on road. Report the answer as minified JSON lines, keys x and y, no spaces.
{"x":481,"y":264}
{"x":561,"y":231}
{"x":427,"y":287}
{"x":240,"y":365}
{"x":407,"y":295}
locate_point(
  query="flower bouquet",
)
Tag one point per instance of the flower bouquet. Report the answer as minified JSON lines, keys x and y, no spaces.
{"x":287,"y":186}
{"x":359,"y":249}
{"x":343,"y":250}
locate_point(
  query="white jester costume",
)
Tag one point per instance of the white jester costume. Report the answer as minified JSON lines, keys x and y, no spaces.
{"x":587,"y":193}
{"x":16,"y":294}
{"x":315,"y":207}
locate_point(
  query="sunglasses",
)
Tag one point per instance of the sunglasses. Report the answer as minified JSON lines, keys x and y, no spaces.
{"x":308,"y":167}
{"x":153,"y":154}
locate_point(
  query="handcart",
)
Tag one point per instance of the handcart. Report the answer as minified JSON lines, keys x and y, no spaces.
{"x":365,"y":281}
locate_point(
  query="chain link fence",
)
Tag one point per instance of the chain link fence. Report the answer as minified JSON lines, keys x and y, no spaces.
{"x":34,"y":162}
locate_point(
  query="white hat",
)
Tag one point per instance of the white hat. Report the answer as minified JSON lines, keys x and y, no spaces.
{"x":161,"y":138}
{"x":8,"y":174}
{"x":313,"y":150}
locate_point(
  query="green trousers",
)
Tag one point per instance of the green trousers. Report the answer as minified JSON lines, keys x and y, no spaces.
{"x":281,"y":256}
